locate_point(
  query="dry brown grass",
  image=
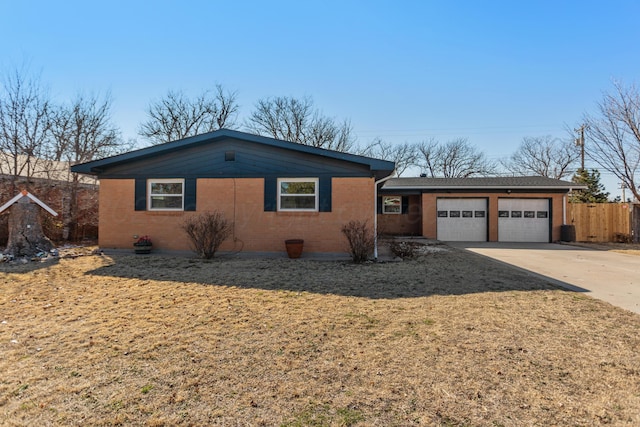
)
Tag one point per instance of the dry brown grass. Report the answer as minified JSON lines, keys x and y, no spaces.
{"x":448,"y":339}
{"x":625,"y":248}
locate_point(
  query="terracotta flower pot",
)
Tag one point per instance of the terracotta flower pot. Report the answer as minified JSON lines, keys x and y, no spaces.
{"x":294,"y":247}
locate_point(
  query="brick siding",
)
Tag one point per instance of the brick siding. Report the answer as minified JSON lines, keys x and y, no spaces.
{"x":242,"y":201}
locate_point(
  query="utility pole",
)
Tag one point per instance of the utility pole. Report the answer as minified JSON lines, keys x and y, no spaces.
{"x":580,"y":143}
{"x":623,"y":186}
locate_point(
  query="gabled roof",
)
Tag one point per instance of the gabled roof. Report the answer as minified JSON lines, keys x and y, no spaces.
{"x":98,"y":166}
{"x":492,"y":183}
{"x":25,"y":193}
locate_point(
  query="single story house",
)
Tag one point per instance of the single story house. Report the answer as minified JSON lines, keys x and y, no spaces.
{"x":499,"y":209}
{"x":271,"y":190}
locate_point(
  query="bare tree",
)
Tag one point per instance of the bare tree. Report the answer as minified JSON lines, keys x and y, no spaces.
{"x":82,"y":131}
{"x":24,"y":124}
{"x":453,"y":159}
{"x":613,"y":134}
{"x":296,"y":120}
{"x":544,"y":156}
{"x":404,"y":155}
{"x":176,"y":116}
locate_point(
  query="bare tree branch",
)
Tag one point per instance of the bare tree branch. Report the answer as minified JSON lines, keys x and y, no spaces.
{"x":176,"y":117}
{"x":544,"y":156}
{"x":82,"y":131}
{"x":613,"y":134}
{"x":24,"y":123}
{"x":453,"y":159}
{"x":404,"y":155}
{"x":296,"y":120}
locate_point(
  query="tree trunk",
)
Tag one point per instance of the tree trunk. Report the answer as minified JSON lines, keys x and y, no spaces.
{"x":26,"y":237}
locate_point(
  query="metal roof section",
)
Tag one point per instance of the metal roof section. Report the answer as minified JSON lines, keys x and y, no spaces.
{"x":488,"y":183}
{"x":97,"y":166}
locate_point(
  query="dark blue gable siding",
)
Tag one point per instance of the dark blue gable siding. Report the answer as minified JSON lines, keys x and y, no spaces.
{"x":250,"y":160}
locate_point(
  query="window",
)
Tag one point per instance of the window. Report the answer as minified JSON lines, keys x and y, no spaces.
{"x":392,"y":205}
{"x":298,"y":194}
{"x":166,"y":194}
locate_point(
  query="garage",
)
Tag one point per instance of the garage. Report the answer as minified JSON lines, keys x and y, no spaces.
{"x":523,"y":220}
{"x":462,"y":219}
{"x":507,"y":209}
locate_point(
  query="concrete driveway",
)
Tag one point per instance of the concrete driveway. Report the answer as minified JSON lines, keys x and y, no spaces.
{"x":610,"y":276}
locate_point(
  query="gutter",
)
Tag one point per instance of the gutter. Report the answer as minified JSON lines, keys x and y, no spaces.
{"x":482,"y":187}
{"x":375,"y":213}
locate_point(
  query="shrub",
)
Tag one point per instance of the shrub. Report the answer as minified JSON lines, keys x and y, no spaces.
{"x":361,"y":240}
{"x":404,"y":250}
{"x":207,"y":231}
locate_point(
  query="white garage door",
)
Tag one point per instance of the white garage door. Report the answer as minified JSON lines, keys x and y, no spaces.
{"x":523,"y":220}
{"x":462,"y":220}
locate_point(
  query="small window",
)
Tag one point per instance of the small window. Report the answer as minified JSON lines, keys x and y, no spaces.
{"x":166,"y":194}
{"x":392,"y":205}
{"x":454,"y":214}
{"x":529,"y":214}
{"x":516,"y":214}
{"x":503,"y":214}
{"x":467,"y":214}
{"x":479,"y":214}
{"x":443,"y":214}
{"x":298,"y":194}
{"x":541,"y":214}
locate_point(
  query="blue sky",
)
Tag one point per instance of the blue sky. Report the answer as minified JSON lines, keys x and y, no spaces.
{"x":491,"y":71}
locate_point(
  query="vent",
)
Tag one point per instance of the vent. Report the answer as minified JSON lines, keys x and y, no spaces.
{"x":230,"y":156}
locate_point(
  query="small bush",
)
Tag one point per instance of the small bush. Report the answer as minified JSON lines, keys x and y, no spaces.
{"x":207,"y":231}
{"x":405,"y":250}
{"x":361,"y":240}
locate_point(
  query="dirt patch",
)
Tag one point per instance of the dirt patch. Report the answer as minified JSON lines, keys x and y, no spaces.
{"x":449,"y":338}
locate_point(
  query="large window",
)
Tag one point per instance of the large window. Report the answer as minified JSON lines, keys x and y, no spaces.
{"x":298,"y":194}
{"x":391,"y":205}
{"x":166,"y":194}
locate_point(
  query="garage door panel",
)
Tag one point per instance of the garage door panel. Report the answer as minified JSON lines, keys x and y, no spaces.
{"x":462,"y":220}
{"x":523,"y":220}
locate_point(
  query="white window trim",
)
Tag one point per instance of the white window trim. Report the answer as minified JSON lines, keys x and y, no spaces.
{"x":384,"y":205}
{"x":314,"y":180}
{"x":164,"y":181}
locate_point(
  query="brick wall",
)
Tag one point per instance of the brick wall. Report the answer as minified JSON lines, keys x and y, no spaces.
{"x":408,"y":224}
{"x":242,"y":201}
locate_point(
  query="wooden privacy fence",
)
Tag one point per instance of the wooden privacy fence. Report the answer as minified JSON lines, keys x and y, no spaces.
{"x":604,"y":222}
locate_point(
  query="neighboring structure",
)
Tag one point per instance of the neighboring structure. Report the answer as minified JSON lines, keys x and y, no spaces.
{"x":271,"y":190}
{"x":25,"y":193}
{"x":26,"y":237}
{"x":56,"y":194}
{"x":505,"y":209}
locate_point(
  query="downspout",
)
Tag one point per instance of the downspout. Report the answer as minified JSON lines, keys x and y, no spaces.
{"x":564,"y":207}
{"x":375,"y":213}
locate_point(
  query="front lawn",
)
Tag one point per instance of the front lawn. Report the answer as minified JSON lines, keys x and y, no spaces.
{"x":449,"y":339}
